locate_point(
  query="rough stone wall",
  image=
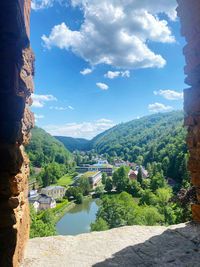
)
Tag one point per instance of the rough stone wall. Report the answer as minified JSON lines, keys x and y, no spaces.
{"x":188,"y":11}
{"x":16,"y":120}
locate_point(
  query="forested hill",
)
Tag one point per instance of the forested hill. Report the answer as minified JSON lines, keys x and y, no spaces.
{"x":44,"y":149}
{"x":156,"y":138}
{"x":149,"y":131}
{"x":74,"y":143}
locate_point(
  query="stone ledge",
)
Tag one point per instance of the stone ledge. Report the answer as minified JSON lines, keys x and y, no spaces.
{"x":177,"y":245}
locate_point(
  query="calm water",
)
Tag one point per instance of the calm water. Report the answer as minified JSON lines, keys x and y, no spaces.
{"x":78,"y":219}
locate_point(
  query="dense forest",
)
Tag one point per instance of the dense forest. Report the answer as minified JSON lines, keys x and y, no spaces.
{"x":156,"y":138}
{"x":74,"y":143}
{"x":44,"y":149}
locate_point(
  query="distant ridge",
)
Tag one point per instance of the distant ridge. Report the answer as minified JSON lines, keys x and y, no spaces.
{"x":133,"y":133}
{"x":74,"y":143}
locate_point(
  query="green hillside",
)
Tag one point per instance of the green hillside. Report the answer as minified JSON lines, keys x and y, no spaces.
{"x":44,"y":149}
{"x":156,"y":138}
{"x":74,"y":143}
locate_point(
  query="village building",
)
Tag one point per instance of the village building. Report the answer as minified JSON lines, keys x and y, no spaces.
{"x":41,"y":201}
{"x":132,"y":175}
{"x":119,"y":162}
{"x":171,"y":182}
{"x":107,"y":168}
{"x":54,"y":191}
{"x":94,"y":177}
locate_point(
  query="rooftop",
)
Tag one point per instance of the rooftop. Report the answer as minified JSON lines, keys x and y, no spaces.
{"x":53,"y":187}
{"x":91,"y":173}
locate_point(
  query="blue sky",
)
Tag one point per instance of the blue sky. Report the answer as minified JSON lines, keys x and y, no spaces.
{"x":99,"y":63}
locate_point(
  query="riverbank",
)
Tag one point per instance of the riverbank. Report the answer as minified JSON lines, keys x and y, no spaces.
{"x":59,"y":212}
{"x":77,"y":219}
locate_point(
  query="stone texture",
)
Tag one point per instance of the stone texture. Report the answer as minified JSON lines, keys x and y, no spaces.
{"x":177,"y":245}
{"x":188,"y":11}
{"x":16,"y":120}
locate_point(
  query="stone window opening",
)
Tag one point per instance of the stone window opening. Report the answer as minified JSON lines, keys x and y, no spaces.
{"x":16,"y":119}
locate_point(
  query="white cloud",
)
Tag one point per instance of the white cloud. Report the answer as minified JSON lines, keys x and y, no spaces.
{"x":158,"y":107}
{"x":103,"y":86}
{"x":70,"y":107}
{"x":39,"y":100}
{"x":62,"y":108}
{"x":112,"y":74}
{"x":40,"y":4}
{"x":169,"y":94}
{"x":125,"y":73}
{"x":80,"y":130}
{"x":86,"y":71}
{"x":38,"y":116}
{"x":116,"y":32}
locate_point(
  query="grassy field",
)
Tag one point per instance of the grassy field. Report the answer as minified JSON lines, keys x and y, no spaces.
{"x":65,"y":180}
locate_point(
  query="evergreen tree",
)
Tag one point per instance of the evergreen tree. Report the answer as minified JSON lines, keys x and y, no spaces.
{"x":139,"y":175}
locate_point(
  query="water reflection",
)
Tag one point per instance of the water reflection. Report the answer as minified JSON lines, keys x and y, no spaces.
{"x":78,"y":219}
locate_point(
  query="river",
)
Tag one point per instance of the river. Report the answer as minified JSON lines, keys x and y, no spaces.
{"x":78,"y":219}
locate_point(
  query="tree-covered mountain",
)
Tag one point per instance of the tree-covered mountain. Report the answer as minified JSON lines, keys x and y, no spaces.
{"x":156,"y":138}
{"x":74,"y":143}
{"x":44,"y":149}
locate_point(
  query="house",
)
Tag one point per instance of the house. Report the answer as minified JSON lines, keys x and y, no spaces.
{"x":119,"y":162}
{"x":32,"y":194}
{"x":54,"y":191}
{"x":41,"y":201}
{"x":94,"y":178}
{"x":132,"y":175}
{"x":171,"y":182}
{"x":145,"y":173}
{"x":46,"y":202}
{"x":107,"y":168}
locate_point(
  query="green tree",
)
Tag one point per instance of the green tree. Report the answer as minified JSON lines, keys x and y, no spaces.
{"x":108,"y":184}
{"x":79,"y":198}
{"x":148,"y":198}
{"x":99,"y":225}
{"x":104,"y":177}
{"x":139,"y":175}
{"x":120,"y":178}
{"x":84,"y":184}
{"x":48,"y":217}
{"x":158,"y":181}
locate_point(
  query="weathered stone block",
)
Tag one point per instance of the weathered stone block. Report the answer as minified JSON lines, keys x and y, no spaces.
{"x":11,"y":158}
{"x":196,"y":212}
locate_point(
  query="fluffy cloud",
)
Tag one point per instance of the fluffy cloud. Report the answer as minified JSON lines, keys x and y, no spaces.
{"x":39,"y":100}
{"x":158,"y":107}
{"x":125,"y":73}
{"x":62,"y":108}
{"x":70,"y":107}
{"x":86,"y":71}
{"x":40,"y":4}
{"x":169,"y":94}
{"x":80,"y":130}
{"x":114,"y":74}
{"x":116,"y":32}
{"x":103,"y":86}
